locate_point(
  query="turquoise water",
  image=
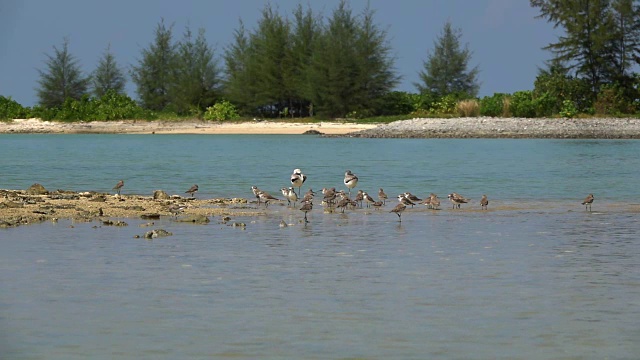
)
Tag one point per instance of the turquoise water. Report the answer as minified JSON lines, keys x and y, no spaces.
{"x":535,"y":277}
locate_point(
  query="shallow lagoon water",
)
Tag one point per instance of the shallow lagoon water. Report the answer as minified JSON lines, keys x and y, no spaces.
{"x":535,"y":277}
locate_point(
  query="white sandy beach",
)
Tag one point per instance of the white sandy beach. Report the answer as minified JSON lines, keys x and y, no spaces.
{"x":178,"y":127}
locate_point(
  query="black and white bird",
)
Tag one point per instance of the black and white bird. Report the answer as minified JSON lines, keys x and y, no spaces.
{"x":350,"y":180}
{"x":297,"y":179}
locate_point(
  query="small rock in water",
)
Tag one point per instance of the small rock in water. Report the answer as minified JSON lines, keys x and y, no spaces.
{"x":114,"y":223}
{"x":283,"y":224}
{"x":156,"y":234}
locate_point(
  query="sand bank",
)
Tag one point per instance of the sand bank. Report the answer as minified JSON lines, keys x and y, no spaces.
{"x":25,"y":126}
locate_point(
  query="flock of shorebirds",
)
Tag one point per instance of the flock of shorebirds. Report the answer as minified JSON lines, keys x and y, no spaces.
{"x":342,"y":199}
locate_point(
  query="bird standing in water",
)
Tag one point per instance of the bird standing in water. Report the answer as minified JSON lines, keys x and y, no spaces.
{"x":587,"y":202}
{"x":119,"y":186}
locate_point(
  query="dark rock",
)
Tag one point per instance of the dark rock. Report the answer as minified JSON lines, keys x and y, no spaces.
{"x":36,"y":189}
{"x":195,"y":219}
{"x":160,"y":195}
{"x":312,"y":132}
{"x":156,"y":234}
{"x":10,"y":204}
{"x":114,"y":223}
{"x":150,"y":216}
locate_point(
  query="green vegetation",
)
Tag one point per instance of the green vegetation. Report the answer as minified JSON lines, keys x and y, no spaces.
{"x":63,"y":78}
{"x":108,"y":76}
{"x":445,"y":71}
{"x":307,"y":67}
{"x":11,"y":109}
{"x":223,"y":110}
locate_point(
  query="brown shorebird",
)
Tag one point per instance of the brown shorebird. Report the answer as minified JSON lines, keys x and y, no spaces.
{"x":192,"y":190}
{"x":427,"y":202}
{"x":484,"y":202}
{"x":350,"y":180}
{"x":382,"y":196}
{"x":359,"y":197}
{"x":176,"y":209}
{"x":266,"y":197}
{"x":412,"y":197}
{"x":306,"y":207}
{"x":256,"y":192}
{"x":308,"y":196}
{"x":399,"y":208}
{"x":457,"y":199}
{"x":368,"y":199}
{"x":343,"y":203}
{"x":435,"y":202}
{"x":377,"y":204}
{"x":119,"y":186}
{"x":587,"y":202}
{"x":403,"y":199}
{"x":297,"y":179}
{"x":329,"y":195}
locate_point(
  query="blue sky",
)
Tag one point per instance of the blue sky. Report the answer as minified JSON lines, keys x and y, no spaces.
{"x":504,"y":35}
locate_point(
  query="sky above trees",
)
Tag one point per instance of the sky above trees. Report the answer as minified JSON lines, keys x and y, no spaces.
{"x":503,"y":35}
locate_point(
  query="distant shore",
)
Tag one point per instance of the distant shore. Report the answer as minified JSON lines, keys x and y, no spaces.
{"x":488,"y":127}
{"x":36,"y":126}
{"x":471,"y":127}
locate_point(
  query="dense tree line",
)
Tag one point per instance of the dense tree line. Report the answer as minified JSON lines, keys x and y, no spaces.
{"x":593,"y":61}
{"x":304,"y":64}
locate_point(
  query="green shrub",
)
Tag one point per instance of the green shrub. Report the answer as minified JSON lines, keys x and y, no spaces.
{"x":115,"y":106}
{"x":445,"y":105}
{"x":492,"y":105}
{"x":11,"y":109}
{"x":223,"y":110}
{"x":396,"y":103}
{"x":522,"y":104}
{"x":568,"y":110}
{"x":611,"y":100}
{"x":545,"y":104}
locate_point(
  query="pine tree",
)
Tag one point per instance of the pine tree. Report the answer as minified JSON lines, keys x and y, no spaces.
{"x":108,"y":75}
{"x":446,"y":69}
{"x":238,"y":85}
{"x":154,"y":72}
{"x":270,"y":48}
{"x":304,"y":33}
{"x":350,"y":67}
{"x":63,"y":78}
{"x":196,"y":80}
{"x":626,"y":39}
{"x":376,"y":75}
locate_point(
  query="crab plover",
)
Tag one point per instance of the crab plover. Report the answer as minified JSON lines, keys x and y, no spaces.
{"x":350,"y":180}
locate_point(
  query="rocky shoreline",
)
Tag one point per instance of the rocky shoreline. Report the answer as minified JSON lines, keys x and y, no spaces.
{"x":37,"y":205}
{"x":488,"y":127}
{"x":470,"y":127}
